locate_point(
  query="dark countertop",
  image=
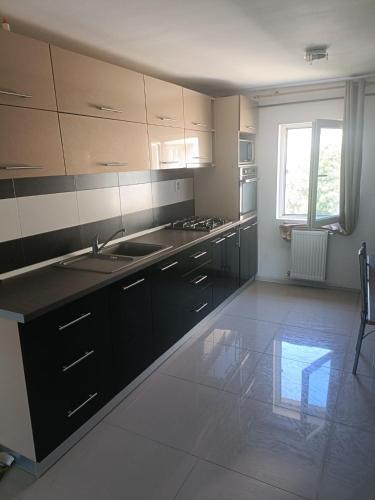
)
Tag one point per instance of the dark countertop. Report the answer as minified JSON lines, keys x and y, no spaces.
{"x":32,"y":294}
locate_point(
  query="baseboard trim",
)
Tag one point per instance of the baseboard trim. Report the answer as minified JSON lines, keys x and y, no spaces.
{"x":313,"y":284}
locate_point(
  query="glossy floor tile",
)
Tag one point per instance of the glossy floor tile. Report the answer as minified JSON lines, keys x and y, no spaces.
{"x":272,"y":444}
{"x":309,"y":346}
{"x":349,"y":465}
{"x":356,"y":402}
{"x":210,"y":363}
{"x":245,"y":333}
{"x":174,"y":412}
{"x":310,"y":388}
{"x":211,"y":482}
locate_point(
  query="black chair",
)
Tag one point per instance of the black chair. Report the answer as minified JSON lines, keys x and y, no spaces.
{"x":364,"y":277}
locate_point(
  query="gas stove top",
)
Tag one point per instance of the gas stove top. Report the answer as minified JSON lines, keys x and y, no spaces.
{"x":196,"y":223}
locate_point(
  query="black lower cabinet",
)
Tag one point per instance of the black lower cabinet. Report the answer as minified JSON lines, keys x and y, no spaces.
{"x":134,"y":345}
{"x":248,"y":251}
{"x":232,"y":261}
{"x":168,"y":294}
{"x":67,"y":358}
{"x":219,"y":293}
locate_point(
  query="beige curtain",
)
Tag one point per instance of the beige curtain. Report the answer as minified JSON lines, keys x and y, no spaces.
{"x":351,"y":154}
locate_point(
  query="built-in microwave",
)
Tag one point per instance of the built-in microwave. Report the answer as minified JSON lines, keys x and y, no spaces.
{"x":246,"y":150}
{"x":248,"y":191}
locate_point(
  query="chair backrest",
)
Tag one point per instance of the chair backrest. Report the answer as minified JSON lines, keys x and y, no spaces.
{"x":363,"y":274}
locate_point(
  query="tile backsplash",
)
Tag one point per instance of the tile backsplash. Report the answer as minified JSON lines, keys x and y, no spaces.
{"x":48,"y":217}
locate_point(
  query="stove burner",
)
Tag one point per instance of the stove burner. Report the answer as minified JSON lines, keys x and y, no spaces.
{"x":196,"y":223}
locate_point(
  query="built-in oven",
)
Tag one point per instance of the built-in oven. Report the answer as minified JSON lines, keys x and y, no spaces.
{"x":246,"y":149}
{"x":248,"y":190}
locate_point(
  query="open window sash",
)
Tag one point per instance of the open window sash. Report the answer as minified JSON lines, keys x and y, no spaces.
{"x":325,"y":173}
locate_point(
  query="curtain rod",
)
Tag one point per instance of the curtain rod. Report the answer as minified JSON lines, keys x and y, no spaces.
{"x":306,"y":101}
{"x":276,"y":93}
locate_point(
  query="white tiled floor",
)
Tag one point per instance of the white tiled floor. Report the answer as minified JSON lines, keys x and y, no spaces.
{"x":261,"y":405}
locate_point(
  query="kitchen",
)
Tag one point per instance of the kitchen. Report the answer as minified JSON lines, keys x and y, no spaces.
{"x":154,"y":311}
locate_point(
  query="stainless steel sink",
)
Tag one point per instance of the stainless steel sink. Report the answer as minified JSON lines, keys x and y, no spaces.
{"x":134,"y":249}
{"x":106,"y":264}
{"x":112,"y":258}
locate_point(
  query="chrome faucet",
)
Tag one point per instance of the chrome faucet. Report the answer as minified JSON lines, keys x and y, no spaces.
{"x":96,"y":248}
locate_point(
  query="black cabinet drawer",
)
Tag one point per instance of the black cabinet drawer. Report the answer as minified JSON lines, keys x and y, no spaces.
{"x":67,"y":355}
{"x":198,"y":309}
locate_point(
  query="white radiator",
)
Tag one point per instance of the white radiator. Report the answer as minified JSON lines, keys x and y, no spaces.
{"x":309,"y":255}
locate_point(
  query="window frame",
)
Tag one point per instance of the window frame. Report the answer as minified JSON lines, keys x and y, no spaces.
{"x":310,"y":218}
{"x":281,"y":172}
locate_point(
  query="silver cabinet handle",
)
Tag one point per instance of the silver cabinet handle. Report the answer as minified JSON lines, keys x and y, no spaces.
{"x":255,"y":224}
{"x":199,"y":157}
{"x":230,"y":235}
{"x":200,"y":124}
{"x":65,"y":368}
{"x":199,"y":254}
{"x":90,"y":398}
{"x":201,"y":307}
{"x":108,"y":108}
{"x":220,"y":240}
{"x":133,"y":284}
{"x":245,"y":181}
{"x":200,"y":279}
{"x":169,"y":266}
{"x":15,"y":94}
{"x":67,"y":325}
{"x":116,"y":164}
{"x":166,"y":118}
{"x":169,"y":162}
{"x":246,"y":228}
{"x":20,"y":167}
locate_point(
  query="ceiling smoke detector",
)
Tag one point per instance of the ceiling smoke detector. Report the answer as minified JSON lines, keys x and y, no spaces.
{"x":315,"y":54}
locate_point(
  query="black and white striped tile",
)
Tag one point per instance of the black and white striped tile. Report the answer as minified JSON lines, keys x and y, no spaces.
{"x":49,"y":217}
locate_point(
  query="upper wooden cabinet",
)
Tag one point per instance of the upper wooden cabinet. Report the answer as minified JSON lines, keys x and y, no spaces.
{"x":30,"y":143}
{"x":167,"y":147}
{"x":98,"y":145}
{"x":87,"y":86}
{"x":25,"y":72}
{"x":198,"y":110}
{"x":164,"y":103}
{"x":198,"y":146}
{"x":248,"y":115}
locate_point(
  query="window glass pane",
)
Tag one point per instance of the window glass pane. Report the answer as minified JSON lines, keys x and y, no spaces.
{"x":297,"y":171}
{"x":328,"y":189}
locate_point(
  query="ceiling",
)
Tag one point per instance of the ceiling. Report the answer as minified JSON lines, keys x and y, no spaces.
{"x":211,"y":45}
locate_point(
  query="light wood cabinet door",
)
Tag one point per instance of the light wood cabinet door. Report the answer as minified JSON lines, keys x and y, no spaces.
{"x":164,"y":103}
{"x":248,"y":115}
{"x":87,"y":86}
{"x":167,"y":147}
{"x":198,"y":146}
{"x":25,"y":72}
{"x":30,"y":143}
{"x":94,"y":145}
{"x":198,"y":110}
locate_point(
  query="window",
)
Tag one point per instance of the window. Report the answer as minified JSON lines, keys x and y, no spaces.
{"x":309,"y":172}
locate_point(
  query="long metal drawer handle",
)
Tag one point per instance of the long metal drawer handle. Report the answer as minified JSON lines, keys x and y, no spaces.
{"x":199,"y":254}
{"x":199,"y":157}
{"x":230,"y":235}
{"x":16,"y":94}
{"x":169,"y":266}
{"x":246,"y":228}
{"x":84,"y":316}
{"x":107,"y":108}
{"x":20,"y":167}
{"x":65,"y":368}
{"x":201,"y":307}
{"x":200,"y":124}
{"x":246,"y":181}
{"x":255,"y":224}
{"x":133,"y":284}
{"x":166,"y":118}
{"x":200,"y":279}
{"x":90,"y":398}
{"x":220,"y":240}
{"x":116,"y":164}
{"x":168,"y":162}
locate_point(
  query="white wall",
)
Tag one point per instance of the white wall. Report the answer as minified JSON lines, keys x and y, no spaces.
{"x":274,"y":253}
